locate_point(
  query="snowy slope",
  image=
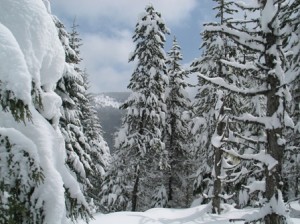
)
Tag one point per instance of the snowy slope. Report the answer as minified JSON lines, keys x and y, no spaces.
{"x":107,"y":106}
{"x":110,"y":99}
{"x":196,"y":215}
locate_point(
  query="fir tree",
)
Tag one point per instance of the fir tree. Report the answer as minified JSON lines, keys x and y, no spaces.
{"x":177,"y":133}
{"x":140,"y":150}
{"x":32,"y":149}
{"x":100,"y":155}
{"x":291,"y":25}
{"x":20,"y":170}
{"x":209,"y":107}
{"x":269,"y":67}
{"x":71,"y":90}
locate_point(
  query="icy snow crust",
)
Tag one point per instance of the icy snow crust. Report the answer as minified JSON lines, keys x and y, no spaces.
{"x":30,"y":50}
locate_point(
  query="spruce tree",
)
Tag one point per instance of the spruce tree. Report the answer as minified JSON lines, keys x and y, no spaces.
{"x":209,"y":121}
{"x":71,"y":90}
{"x":140,"y":151}
{"x":269,"y":69}
{"x":100,"y":154}
{"x":176,"y":135}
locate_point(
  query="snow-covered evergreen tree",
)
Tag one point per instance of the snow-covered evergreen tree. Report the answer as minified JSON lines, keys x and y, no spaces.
{"x":291,"y":20}
{"x":75,"y":40}
{"x":140,"y":150}
{"x":87,"y":152}
{"x":20,"y":168}
{"x":209,"y":107}
{"x":32,"y":147}
{"x":100,"y":154}
{"x":177,"y":135}
{"x":71,"y":90}
{"x":269,"y":67}
{"x":114,"y":194}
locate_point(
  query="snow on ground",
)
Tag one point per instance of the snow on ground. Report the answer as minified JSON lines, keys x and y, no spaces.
{"x":196,"y":215}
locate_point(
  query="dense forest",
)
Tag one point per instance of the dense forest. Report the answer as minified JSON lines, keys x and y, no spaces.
{"x":235,"y":143}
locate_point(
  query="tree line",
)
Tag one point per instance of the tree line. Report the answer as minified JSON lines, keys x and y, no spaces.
{"x":237,"y":141}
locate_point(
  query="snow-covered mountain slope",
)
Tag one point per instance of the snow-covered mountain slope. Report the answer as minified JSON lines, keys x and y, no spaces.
{"x":102,"y":100}
{"x":110,"y":99}
{"x":107,"y":106}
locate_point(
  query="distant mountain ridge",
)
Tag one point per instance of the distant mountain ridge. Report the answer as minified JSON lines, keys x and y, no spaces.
{"x":102,"y":100}
{"x":110,"y":116}
{"x":110,"y":99}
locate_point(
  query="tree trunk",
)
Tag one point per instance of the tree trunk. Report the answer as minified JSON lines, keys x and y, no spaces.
{"x":273,"y":148}
{"x":170,"y":195}
{"x":173,"y":154}
{"x":135,"y":191}
{"x":216,"y":201}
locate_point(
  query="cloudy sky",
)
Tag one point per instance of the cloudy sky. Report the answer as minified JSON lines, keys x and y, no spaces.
{"x":106,"y":28}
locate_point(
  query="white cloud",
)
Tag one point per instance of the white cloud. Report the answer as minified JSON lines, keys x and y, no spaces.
{"x":106,"y":28}
{"x":109,"y":79}
{"x":106,"y":60}
{"x":123,"y":12}
{"x":107,"y":49}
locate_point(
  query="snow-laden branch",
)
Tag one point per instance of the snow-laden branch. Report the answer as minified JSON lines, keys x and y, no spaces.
{"x":272,"y":122}
{"x":233,"y":136}
{"x":231,"y":87}
{"x":262,"y":157}
{"x":254,"y":43}
{"x":247,"y":66}
{"x":275,"y":205}
{"x":252,"y":6}
{"x":256,"y":186}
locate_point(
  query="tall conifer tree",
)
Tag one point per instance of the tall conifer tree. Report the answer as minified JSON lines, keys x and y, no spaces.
{"x":87,"y":151}
{"x":140,"y":148}
{"x":209,"y":107}
{"x":269,"y":67}
{"x":291,"y":25}
{"x":177,"y":133}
